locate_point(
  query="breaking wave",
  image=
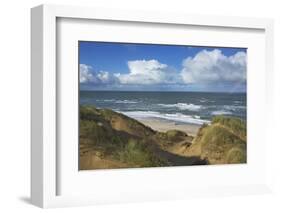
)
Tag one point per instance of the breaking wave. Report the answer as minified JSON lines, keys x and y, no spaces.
{"x":183,"y":106}
{"x":176,"y":117}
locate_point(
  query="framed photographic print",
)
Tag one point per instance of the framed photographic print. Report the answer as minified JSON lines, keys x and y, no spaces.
{"x":130,"y":106}
{"x":149,"y":114}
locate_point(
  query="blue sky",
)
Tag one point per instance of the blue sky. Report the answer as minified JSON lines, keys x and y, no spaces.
{"x":120,"y":66}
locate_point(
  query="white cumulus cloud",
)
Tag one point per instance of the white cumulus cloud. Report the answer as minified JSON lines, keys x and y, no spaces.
{"x":213,"y":66}
{"x":207,"y":69}
{"x":147,"y":72}
{"x":89,"y":75}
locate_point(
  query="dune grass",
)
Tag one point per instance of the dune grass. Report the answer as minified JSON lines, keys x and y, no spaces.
{"x":118,"y":137}
{"x":115,"y":137}
{"x":136,"y":153}
{"x":236,"y":125}
{"x":223,"y":141}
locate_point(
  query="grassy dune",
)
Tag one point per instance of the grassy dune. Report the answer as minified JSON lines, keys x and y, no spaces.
{"x":112,"y":140}
{"x":117,"y":138}
{"x":222,"y":142}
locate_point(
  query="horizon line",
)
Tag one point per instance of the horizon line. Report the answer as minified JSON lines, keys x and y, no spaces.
{"x":161,"y":91}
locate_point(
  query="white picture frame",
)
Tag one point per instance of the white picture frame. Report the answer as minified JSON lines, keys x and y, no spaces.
{"x":44,"y":149}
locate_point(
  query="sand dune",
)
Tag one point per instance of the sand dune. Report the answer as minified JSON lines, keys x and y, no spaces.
{"x":110,"y":140}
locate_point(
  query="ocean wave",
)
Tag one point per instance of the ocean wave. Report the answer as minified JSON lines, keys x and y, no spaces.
{"x":126,"y":102}
{"x":183,"y":106}
{"x":233,"y":108}
{"x":238,"y":102}
{"x":221,"y":112}
{"x":118,"y":101}
{"x":205,"y":100}
{"x":177,"y":117}
{"x":105,"y":100}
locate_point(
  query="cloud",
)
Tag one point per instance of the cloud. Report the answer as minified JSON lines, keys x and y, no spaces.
{"x":209,"y":67}
{"x":148,"y":72}
{"x":89,"y":76}
{"x":206,"y":71}
{"x":86,"y":74}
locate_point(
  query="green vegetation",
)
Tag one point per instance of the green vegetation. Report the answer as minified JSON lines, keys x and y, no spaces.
{"x":117,"y":137}
{"x":236,"y":125}
{"x":236,"y":155}
{"x":112,"y":140}
{"x":224,"y":141}
{"x":173,"y":135}
{"x":138,"y":153}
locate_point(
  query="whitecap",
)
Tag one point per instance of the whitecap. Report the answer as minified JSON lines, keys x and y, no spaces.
{"x":183,"y":106}
{"x":176,"y":117}
{"x":221,"y":112}
{"x":233,"y":108}
{"x":125,"y":102}
{"x":105,"y":100}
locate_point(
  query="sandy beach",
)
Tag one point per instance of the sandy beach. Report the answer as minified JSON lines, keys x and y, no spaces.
{"x":163,"y":126}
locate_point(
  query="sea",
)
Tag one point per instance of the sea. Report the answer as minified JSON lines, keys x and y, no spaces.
{"x":179,"y":107}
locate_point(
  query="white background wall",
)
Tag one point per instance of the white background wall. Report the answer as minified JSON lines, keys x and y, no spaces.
{"x":15,"y":103}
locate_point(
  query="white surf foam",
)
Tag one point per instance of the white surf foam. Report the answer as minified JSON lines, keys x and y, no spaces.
{"x":177,"y":117}
{"x":221,"y":112}
{"x":125,"y":102}
{"x":233,"y":108}
{"x":118,"y":101}
{"x":183,"y":106}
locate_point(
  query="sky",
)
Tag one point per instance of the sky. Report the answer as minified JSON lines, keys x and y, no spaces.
{"x":155,"y":67}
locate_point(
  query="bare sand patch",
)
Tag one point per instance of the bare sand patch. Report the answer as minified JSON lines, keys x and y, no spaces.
{"x":163,"y":126}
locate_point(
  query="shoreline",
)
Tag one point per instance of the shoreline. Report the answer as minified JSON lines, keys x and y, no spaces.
{"x":163,"y":126}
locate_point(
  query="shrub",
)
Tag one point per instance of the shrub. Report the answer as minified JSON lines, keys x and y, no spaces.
{"x":236,"y":155}
{"x":236,"y":125}
{"x":223,"y":141}
{"x":137,"y":153}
